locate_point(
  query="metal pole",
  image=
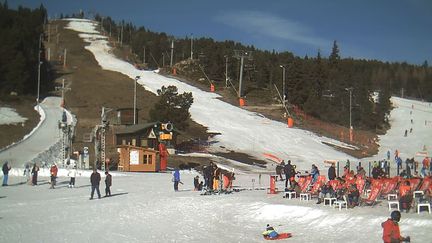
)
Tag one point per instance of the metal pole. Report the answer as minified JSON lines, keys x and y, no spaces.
{"x":121,"y":40}
{"x":64,"y":59}
{"x":241,"y":77}
{"x":369,"y":168}
{"x":283,"y":84}
{"x":172,"y":53}
{"x":191,"y":47}
{"x":136,"y":80}
{"x":350,"y":91}
{"x":226,"y":71}
{"x":39,"y":64}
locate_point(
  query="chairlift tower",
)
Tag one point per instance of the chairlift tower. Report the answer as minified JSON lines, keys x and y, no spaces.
{"x":242,"y":54}
{"x":63,"y":126}
{"x":65,"y":134}
{"x":101,"y":129}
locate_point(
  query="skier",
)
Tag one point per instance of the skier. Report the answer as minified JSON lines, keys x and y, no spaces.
{"x":388,"y":154}
{"x":406,"y":133}
{"x":6,"y":168}
{"x":108,"y":183}
{"x":53,"y":172}
{"x":34,"y":172}
{"x":176,"y":179}
{"x":391,"y":232}
{"x":95,"y":180}
{"x":270,"y":232}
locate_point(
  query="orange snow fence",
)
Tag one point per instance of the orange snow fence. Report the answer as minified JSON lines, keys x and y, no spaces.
{"x":174,"y":71}
{"x":212,"y":88}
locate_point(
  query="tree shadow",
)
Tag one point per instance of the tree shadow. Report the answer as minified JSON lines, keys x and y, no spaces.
{"x":2,"y":196}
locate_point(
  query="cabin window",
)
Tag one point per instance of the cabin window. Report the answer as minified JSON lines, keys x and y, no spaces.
{"x":148,"y":159}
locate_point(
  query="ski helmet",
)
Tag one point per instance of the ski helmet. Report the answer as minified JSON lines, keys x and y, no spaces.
{"x":395,"y":215}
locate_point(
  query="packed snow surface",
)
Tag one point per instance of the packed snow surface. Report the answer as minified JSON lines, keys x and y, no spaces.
{"x":145,"y":208}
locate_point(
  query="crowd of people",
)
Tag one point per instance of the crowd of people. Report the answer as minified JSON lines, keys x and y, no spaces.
{"x":31,"y":176}
{"x":215,"y":180}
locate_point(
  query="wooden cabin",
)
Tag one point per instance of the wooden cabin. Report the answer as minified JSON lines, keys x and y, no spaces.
{"x":139,"y":146}
{"x":137,"y":159}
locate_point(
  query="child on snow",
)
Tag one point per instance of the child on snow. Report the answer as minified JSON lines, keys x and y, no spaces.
{"x":72,"y":174}
{"x":270,"y":232}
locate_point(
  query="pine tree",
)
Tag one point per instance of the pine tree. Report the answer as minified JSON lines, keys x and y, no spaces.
{"x":172,"y":107}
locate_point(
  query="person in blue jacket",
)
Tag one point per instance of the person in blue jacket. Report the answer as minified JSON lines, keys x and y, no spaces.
{"x":176,"y":179}
{"x":314,"y":173}
{"x":270,"y":232}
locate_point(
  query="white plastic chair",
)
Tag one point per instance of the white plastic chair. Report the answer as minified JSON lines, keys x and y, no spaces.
{"x":330,"y":200}
{"x":423,"y":205}
{"x":290,"y":195}
{"x":391,"y":203}
{"x":341,"y":203}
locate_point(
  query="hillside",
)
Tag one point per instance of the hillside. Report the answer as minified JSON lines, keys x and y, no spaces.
{"x":102,"y":89}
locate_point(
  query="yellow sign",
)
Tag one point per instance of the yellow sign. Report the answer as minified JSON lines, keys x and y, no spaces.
{"x":165,"y":136}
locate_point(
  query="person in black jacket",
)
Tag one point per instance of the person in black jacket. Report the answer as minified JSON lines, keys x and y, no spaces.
{"x":34,"y":172}
{"x":332,"y":172}
{"x":108,"y":183}
{"x":95,"y":180}
{"x":288,"y":172}
{"x":6,"y":168}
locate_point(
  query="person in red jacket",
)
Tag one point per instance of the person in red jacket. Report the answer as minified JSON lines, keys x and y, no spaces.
{"x":391,"y":232}
{"x":53,"y":171}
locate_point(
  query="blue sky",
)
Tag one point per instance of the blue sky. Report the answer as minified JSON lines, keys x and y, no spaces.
{"x":386,"y":30}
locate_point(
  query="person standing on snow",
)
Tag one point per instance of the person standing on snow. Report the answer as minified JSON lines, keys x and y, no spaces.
{"x":53,"y":172}
{"x":391,"y":232}
{"x":425,"y":168}
{"x":6,"y":168}
{"x":176,"y":179}
{"x":95,"y":179}
{"x":332,"y":172}
{"x":34,"y":172}
{"x":108,"y":183}
{"x":196,"y":183}
{"x":314,"y":173}
{"x":72,"y":173}
{"x":279,"y":169}
{"x":288,"y":172}
{"x":27,"y":172}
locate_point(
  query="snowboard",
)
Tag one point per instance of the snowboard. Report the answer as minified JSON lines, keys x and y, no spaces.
{"x":280,"y":236}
